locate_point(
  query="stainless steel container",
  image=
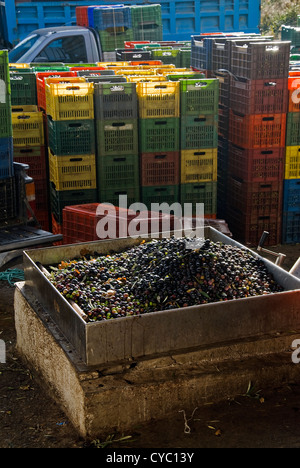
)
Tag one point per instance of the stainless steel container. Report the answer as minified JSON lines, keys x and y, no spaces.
{"x":164,"y":332}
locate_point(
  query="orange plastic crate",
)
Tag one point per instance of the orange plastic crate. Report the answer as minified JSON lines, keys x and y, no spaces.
{"x":40,"y":85}
{"x":257,"y":131}
{"x":294,"y":93}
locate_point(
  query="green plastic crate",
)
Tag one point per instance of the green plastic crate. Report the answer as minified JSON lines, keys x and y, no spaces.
{"x":117,"y":137}
{"x":200,"y":193}
{"x":168,"y":194}
{"x":154,"y":33}
{"x":110,"y":41}
{"x":115,"y":101}
{"x":185,"y":76}
{"x":157,"y":135}
{"x":118,"y":172}
{"x":169,"y":56}
{"x":185,"y":58}
{"x":199,"y":96}
{"x":147,"y":22}
{"x":6,"y":129}
{"x":49,"y":68}
{"x":23,"y":88}
{"x":112,"y":196}
{"x":72,"y":137}
{"x":199,"y":132}
{"x":142,"y":15}
{"x":60,"y":199}
{"x":4,"y":69}
{"x":293,"y":129}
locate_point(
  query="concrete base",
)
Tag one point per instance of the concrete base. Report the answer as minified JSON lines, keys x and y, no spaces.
{"x":102,"y":400}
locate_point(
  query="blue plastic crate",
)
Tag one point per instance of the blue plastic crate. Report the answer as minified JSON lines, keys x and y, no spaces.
{"x":90,"y":12}
{"x":291,"y":195}
{"x":111,"y":17}
{"x":291,"y":228}
{"x":6,"y":158}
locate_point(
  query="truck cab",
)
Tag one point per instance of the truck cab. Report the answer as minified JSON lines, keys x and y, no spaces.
{"x":66,"y":44}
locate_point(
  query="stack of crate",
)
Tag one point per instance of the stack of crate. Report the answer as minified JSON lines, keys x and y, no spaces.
{"x":257,"y":126}
{"x":199,"y":143}
{"x":292,"y":33}
{"x":71,"y":144}
{"x":291,"y":193}
{"x":159,"y":141}
{"x":7,"y":182}
{"x":29,"y":148}
{"x":114,"y":26}
{"x":116,"y":120}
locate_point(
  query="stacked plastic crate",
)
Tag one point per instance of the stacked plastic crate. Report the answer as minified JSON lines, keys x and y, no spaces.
{"x":291,"y":194}
{"x":7,"y":182}
{"x":199,"y":143}
{"x":159,"y":141}
{"x":292,"y":33}
{"x":71,"y":144}
{"x":257,"y":127}
{"x":114,"y":25}
{"x":29,"y":148}
{"x":116,"y":120}
{"x":147,"y":22}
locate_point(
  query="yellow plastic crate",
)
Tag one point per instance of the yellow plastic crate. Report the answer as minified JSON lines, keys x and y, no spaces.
{"x":167,"y":69}
{"x":112,"y":64}
{"x":135,"y":71}
{"x":19,"y":65}
{"x":159,"y":99}
{"x":28,"y":126}
{"x":73,"y":172}
{"x":146,"y":79}
{"x":292,"y":162}
{"x":70,"y":101}
{"x":199,"y":165}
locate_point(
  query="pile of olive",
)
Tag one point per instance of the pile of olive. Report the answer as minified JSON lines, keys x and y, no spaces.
{"x":160,"y":275}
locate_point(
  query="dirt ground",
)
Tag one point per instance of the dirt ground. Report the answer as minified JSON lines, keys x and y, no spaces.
{"x":30,"y":419}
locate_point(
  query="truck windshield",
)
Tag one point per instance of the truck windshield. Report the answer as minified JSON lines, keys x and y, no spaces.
{"x":30,"y":43}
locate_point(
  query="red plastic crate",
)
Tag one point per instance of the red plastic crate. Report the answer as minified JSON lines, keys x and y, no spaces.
{"x":150,"y":63}
{"x":257,"y":131}
{"x":259,"y":96}
{"x":160,"y":168}
{"x":82,"y":16}
{"x":249,"y":232}
{"x":255,"y":199}
{"x":91,"y":68}
{"x":131,"y":44}
{"x":42,"y":194}
{"x":294,"y":93}
{"x":80,"y":222}
{"x":260,"y":165}
{"x":43,"y":218}
{"x":56,"y":228}
{"x":35,"y":157}
{"x":40,"y":84}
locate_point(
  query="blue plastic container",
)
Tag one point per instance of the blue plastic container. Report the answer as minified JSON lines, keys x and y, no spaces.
{"x":112,"y":17}
{"x":6,"y":158}
{"x":291,"y":228}
{"x":291,"y":195}
{"x":90,"y":11}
